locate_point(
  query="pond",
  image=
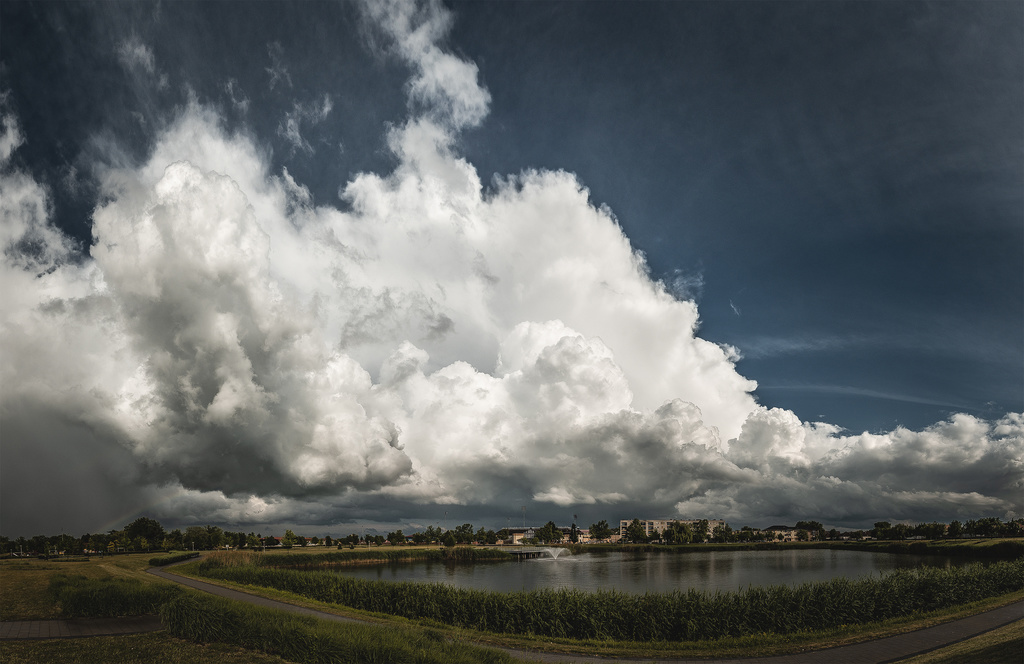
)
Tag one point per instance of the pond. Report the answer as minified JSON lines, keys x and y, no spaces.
{"x":640,"y":572}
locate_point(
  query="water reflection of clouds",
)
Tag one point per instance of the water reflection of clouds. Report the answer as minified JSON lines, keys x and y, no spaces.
{"x":654,"y":572}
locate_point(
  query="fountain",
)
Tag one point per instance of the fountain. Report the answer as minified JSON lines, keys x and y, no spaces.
{"x":554,"y":552}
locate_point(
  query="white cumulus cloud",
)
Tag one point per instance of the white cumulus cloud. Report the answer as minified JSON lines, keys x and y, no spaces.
{"x":256,"y":357}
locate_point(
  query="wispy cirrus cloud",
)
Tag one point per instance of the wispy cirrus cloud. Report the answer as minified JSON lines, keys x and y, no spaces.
{"x":765,"y":347}
{"x":310,"y":114}
{"x":865,"y":392}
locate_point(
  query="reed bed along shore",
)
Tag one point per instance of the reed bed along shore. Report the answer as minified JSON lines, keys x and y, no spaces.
{"x":671,"y":616}
{"x":342,"y":558}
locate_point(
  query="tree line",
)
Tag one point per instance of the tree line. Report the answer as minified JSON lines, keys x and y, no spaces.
{"x":684,"y":533}
{"x":145,"y":534}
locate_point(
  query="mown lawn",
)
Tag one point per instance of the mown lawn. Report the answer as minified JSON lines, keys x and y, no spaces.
{"x":24,"y":583}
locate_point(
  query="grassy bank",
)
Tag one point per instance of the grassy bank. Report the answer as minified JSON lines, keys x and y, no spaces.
{"x":674,"y":616}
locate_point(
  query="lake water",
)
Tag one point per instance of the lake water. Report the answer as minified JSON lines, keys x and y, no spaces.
{"x":653,"y":571}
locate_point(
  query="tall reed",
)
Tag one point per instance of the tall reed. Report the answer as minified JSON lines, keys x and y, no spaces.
{"x":80,"y":597}
{"x":325,"y":560}
{"x":672,"y":616}
{"x":207,"y":619}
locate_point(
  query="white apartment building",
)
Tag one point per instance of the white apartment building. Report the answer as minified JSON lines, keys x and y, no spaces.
{"x":650,"y":525}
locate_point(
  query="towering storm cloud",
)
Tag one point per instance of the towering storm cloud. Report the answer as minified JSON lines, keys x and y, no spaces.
{"x":249,"y":355}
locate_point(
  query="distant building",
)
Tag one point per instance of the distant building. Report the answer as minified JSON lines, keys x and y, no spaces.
{"x":517,"y":535}
{"x":650,"y":525}
{"x":782,"y":533}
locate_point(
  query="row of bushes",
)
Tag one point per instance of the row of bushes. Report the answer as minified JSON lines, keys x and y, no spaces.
{"x":79,"y":596}
{"x":672,"y":616}
{"x":160,"y":561}
{"x":206,"y":619}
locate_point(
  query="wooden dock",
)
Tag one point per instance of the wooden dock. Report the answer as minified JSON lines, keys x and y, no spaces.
{"x":531,"y":552}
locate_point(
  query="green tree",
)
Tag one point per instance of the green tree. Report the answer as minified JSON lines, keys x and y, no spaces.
{"x":814,"y":528}
{"x":448,"y":539}
{"x":635,"y":532}
{"x":678,"y":532}
{"x":600,"y":530}
{"x":1013,"y":528}
{"x":288,"y":541}
{"x":464,"y":533}
{"x":955,"y":530}
{"x":396,"y":537}
{"x":215,"y":537}
{"x":881,"y":530}
{"x":549,"y":533}
{"x":989,"y":526}
{"x":701,"y":531}
{"x":176,"y":539}
{"x":899,"y":532}
{"x":96,"y":542}
{"x":930,"y":531}
{"x":722,"y":533}
{"x":145,"y":527}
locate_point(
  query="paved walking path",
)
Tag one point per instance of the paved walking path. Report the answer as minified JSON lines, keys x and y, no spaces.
{"x":868,"y":652}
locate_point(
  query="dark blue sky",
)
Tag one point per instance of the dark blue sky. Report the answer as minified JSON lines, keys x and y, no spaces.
{"x":839,"y":184}
{"x":846,"y":177}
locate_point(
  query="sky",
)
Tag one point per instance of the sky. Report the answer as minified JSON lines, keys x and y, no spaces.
{"x":351,"y":266}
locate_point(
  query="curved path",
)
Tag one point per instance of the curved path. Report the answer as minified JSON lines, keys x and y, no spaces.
{"x":867,"y":652}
